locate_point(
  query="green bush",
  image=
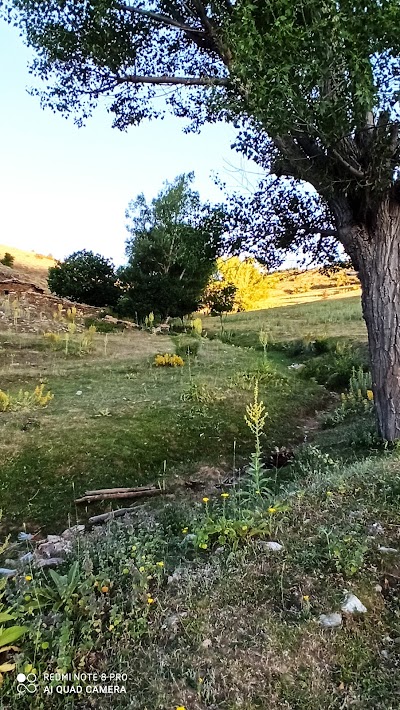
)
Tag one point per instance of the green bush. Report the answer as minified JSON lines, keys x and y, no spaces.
{"x":8,"y":260}
{"x":187,"y":347}
{"x":335,"y":368}
{"x":176,"y":325}
{"x":104,"y":326}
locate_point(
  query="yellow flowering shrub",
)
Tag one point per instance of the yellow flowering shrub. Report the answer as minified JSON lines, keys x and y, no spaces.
{"x":25,"y":399}
{"x":168,"y":360}
{"x":54,"y":340}
{"x":4,"y":401}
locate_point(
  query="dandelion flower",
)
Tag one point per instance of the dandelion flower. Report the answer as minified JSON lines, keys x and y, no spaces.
{"x":329,"y":494}
{"x":141,"y":569}
{"x":370,"y":395}
{"x":150,"y":600}
{"x":205,"y":499}
{"x":244,"y":528}
{"x":224,"y":495}
{"x":160,"y":564}
{"x":28,"y":578}
{"x":203,"y":545}
{"x":271,"y":510}
{"x":180,"y":707}
{"x":185,"y":530}
{"x":306,"y":598}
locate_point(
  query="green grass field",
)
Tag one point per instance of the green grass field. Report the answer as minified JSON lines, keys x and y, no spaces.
{"x":328,"y":318}
{"x":186,"y":597}
{"x":132,"y":423}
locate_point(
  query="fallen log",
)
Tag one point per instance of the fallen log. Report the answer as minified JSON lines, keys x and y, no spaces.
{"x":105,"y":517}
{"x":127,"y":494}
{"x":119,"y":490}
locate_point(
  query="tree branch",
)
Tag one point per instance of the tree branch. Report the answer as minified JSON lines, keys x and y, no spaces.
{"x":352,"y":170}
{"x":164,"y":19}
{"x":173,"y":80}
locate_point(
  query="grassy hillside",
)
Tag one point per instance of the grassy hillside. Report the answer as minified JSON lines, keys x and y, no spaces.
{"x":28,"y":266}
{"x":210,"y":596}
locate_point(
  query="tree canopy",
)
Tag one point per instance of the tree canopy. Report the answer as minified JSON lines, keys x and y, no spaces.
{"x":171,"y":252}
{"x":314,"y":86}
{"x":85,"y":277}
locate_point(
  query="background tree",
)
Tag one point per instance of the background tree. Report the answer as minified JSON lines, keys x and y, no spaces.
{"x":249,"y":279}
{"x":8,"y":260}
{"x":315,"y":87}
{"x":86,"y":278}
{"x":172,"y":250}
{"x":219,"y":297}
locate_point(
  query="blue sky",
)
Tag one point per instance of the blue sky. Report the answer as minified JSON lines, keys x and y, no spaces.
{"x":65,"y":188}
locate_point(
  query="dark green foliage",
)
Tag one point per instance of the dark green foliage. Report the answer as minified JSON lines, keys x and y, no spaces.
{"x":185,"y":347}
{"x":220,"y":297}
{"x":334,"y":369}
{"x":8,"y":259}
{"x":104,"y":326}
{"x":86,"y":278}
{"x":172,"y":251}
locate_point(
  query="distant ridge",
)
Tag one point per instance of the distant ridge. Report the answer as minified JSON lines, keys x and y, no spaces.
{"x":28,"y":266}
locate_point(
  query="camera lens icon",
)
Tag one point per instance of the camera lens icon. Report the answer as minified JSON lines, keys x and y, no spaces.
{"x":26,"y":683}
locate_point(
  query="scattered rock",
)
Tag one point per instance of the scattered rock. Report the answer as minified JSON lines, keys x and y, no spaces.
{"x":296,"y":366}
{"x":25,"y":559}
{"x":375,"y":529}
{"x":353,"y":604}
{"x":71,"y":533}
{"x":330,"y":621}
{"x":386,"y":549}
{"x":54,"y":546}
{"x":175,"y":577}
{"x":5,"y":572}
{"x":274,"y":546}
{"x":78,"y":393}
{"x":49,"y":562}
{"x":207,"y":643}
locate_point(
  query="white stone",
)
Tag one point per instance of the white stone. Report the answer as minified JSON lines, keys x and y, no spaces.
{"x":387,"y":549}
{"x":274,"y":546}
{"x":79,"y":392}
{"x":330,"y":621}
{"x":352,"y":604}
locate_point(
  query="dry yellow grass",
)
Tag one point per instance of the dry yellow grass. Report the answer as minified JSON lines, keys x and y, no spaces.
{"x":28,"y":266}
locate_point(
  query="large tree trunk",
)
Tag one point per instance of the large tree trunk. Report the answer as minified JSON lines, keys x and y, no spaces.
{"x":376,"y":251}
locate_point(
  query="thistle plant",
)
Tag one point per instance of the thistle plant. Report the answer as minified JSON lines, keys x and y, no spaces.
{"x":255,"y":418}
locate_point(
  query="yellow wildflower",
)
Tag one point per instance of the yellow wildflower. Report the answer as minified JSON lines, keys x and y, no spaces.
{"x":224,"y":495}
{"x":160,"y":564}
{"x":150,"y":600}
{"x":244,"y":528}
{"x":203,"y":545}
{"x":185,"y":530}
{"x":205,"y":499}
{"x":271,"y":510}
{"x":28,"y":578}
{"x":329,"y":494}
{"x":306,"y":598}
{"x":141,"y":569}
{"x":180,"y":707}
{"x":370,"y":395}
{"x":105,"y":589}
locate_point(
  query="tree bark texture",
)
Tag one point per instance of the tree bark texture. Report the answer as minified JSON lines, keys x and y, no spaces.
{"x":375,"y":247}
